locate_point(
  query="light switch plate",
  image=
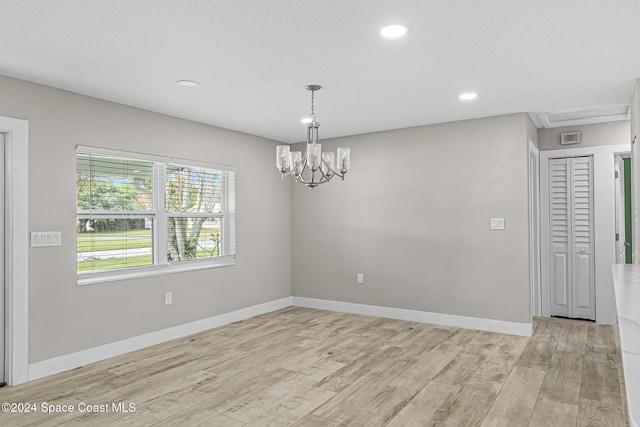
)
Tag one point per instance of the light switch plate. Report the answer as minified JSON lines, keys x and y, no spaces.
{"x":497,"y":223}
{"x":45,"y":238}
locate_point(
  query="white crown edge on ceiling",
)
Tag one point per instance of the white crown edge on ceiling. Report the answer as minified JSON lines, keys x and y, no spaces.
{"x":587,"y":116}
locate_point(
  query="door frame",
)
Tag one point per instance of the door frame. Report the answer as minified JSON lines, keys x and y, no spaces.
{"x":604,"y":225}
{"x":2,"y":283}
{"x":620,"y":185}
{"x":534,"y":229}
{"x":16,"y":133}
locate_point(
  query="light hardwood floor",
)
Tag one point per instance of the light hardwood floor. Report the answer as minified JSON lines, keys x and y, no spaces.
{"x":307,"y":367}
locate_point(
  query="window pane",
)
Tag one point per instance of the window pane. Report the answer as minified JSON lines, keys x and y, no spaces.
{"x":114,"y":243}
{"x":193,"y":238}
{"x":191,"y":189}
{"x":106,"y":183}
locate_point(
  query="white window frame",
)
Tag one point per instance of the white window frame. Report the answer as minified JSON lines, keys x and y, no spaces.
{"x":161,"y":216}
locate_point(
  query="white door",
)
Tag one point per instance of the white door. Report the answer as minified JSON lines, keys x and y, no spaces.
{"x":572,"y":254}
{"x":618,"y":168}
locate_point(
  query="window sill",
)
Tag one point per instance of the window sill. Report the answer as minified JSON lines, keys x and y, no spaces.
{"x":156,"y":270}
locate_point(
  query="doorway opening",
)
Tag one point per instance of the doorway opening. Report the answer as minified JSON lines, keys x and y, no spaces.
{"x":623,"y":208}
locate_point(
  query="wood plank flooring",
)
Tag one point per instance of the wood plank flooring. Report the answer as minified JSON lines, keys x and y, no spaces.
{"x":304,"y":367}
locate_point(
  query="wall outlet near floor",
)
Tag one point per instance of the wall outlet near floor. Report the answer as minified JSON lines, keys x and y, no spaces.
{"x":168,"y":298}
{"x":360,"y":278}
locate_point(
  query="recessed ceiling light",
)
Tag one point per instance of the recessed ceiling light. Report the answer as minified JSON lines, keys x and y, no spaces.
{"x":468,"y":96}
{"x":393,"y":31}
{"x":187,"y":83}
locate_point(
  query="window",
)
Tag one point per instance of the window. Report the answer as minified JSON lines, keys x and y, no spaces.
{"x":140,"y":214}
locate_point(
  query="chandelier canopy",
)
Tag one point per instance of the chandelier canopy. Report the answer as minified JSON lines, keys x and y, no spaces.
{"x":314,"y":167}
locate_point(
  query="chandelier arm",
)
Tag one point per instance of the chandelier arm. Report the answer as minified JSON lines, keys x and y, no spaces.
{"x":340,"y":174}
{"x":313,"y":183}
{"x":324,"y":178}
{"x":327,"y":175}
{"x":300,"y":178}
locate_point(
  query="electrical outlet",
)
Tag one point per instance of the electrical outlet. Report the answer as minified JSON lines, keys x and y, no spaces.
{"x":168,"y":298}
{"x":360,"y":278}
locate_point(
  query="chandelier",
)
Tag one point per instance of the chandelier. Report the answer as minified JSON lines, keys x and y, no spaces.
{"x":314,"y":167}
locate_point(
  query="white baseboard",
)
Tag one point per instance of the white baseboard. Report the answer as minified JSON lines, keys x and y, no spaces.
{"x":85,"y":357}
{"x":490,"y":325}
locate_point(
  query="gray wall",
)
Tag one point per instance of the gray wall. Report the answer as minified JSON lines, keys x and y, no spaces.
{"x":65,"y":318}
{"x":413,"y":215}
{"x":611,"y":133}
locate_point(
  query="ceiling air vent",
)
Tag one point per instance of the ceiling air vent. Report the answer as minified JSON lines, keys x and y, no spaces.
{"x":570,"y":138}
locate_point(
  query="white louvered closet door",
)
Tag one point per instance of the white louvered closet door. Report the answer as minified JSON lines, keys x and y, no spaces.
{"x":572,"y":254}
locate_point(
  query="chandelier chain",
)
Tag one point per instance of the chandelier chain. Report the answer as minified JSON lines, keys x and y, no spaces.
{"x":313,"y":114}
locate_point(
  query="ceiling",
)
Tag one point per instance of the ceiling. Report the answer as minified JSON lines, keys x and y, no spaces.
{"x":254,"y":57}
